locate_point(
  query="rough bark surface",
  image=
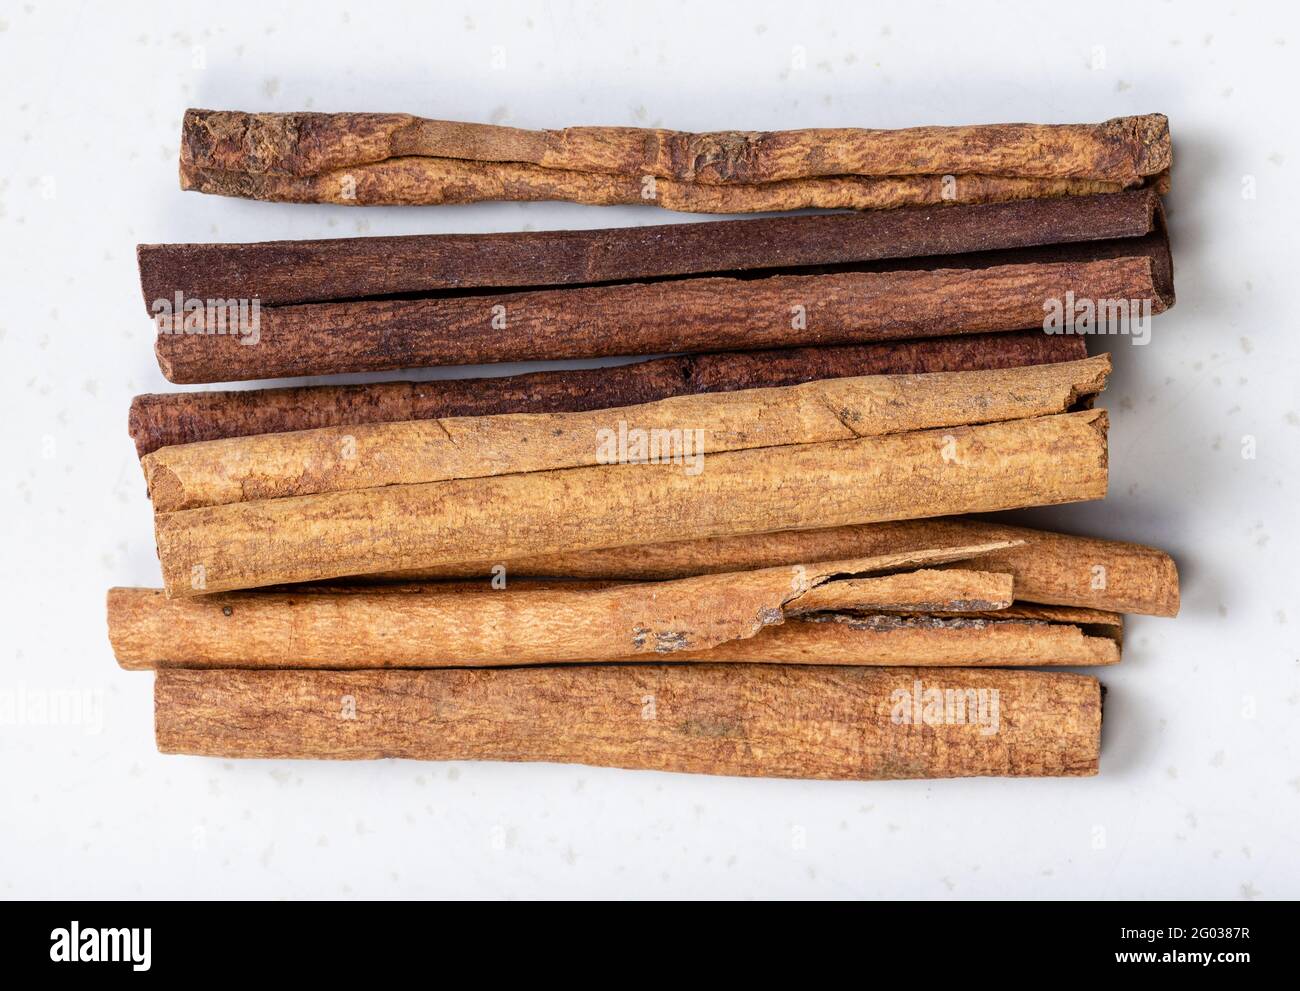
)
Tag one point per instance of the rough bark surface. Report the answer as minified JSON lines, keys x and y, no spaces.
{"x":752,"y":720}
{"x":1040,"y":461}
{"x":417,"y":181}
{"x":1123,"y":149}
{"x":359,"y":159}
{"x":696,"y":314}
{"x":432,"y":625}
{"x":335,"y":459}
{"x":1047,"y":567}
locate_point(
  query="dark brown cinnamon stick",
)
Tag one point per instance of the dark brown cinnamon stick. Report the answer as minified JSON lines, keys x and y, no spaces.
{"x":162,"y":420}
{"x":287,"y":272}
{"x":675,"y":316}
{"x":1002,"y":268}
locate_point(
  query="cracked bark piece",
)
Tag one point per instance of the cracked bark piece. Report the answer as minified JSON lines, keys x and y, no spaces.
{"x":1020,"y":635}
{"x":1049,"y":568}
{"x":394,"y":158}
{"x":923,"y":591}
{"x":1123,"y":149}
{"x":751,"y":720}
{"x":166,"y":419}
{"x":433,"y":181}
{"x":1037,"y":461}
{"x":690,"y":428}
{"x":435,"y":626}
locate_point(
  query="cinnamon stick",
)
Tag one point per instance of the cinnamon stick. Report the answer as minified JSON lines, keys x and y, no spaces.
{"x":335,"y":459}
{"x":930,"y":618}
{"x":430,"y":181}
{"x":279,"y":273}
{"x":422,"y":625}
{"x":1123,"y":149}
{"x":1047,"y":567}
{"x":165,"y":419}
{"x":1021,"y":635}
{"x":444,"y":623}
{"x":1038,"y":461}
{"x":661,"y":317}
{"x":753,"y":720}
{"x":397,"y":158}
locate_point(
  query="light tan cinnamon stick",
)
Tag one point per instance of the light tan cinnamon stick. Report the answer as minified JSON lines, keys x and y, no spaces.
{"x":1047,"y":567}
{"x":430,"y":181}
{"x":365,"y":456}
{"x":753,"y":720}
{"x":433,"y":625}
{"x":1123,"y":149}
{"x":397,"y":158}
{"x":1019,"y":636}
{"x":457,"y":627}
{"x":1039,"y":461}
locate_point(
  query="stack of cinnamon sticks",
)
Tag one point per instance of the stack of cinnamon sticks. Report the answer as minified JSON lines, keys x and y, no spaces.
{"x":746,"y":558}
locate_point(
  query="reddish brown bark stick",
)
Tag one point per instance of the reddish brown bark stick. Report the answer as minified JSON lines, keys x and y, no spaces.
{"x":753,"y":720}
{"x":287,"y":272}
{"x":648,"y":318}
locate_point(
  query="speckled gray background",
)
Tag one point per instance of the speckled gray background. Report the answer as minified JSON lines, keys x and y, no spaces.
{"x":1200,"y":783}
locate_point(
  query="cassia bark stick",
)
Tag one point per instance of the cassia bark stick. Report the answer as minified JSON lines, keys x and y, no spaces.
{"x":432,"y":181}
{"x":337,"y":459}
{"x":662,"y":317}
{"x":359,"y":159}
{"x":1123,"y":149}
{"x":752,"y":720}
{"x":1053,"y":568}
{"x":457,"y":627}
{"x":436,"y":625}
{"x":1039,"y":461}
